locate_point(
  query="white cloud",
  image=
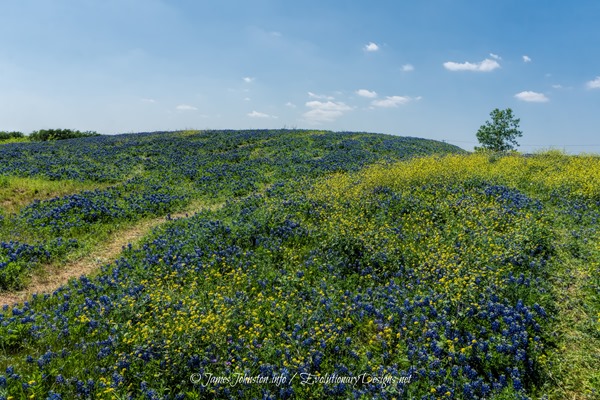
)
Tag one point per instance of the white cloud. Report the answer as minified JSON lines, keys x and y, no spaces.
{"x":366,"y":93}
{"x":148,"y":100}
{"x":557,"y":86}
{"x":330,"y":105}
{"x":185,"y":107}
{"x":371,"y":47}
{"x":532,"y":97}
{"x":247,"y":99}
{"x":595,"y":84}
{"x":290,"y":104}
{"x":393,"y":101}
{"x":248,"y":79}
{"x":526,"y":59}
{"x":325,"y":111}
{"x":495,"y":56}
{"x":319,"y":96}
{"x":408,"y":68}
{"x":486,"y":65}
{"x":256,"y":114}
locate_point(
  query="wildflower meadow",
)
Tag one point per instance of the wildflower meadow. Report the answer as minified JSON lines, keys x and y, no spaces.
{"x":300,"y":265}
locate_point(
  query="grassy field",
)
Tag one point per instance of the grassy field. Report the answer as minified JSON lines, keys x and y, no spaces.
{"x":298,"y":264}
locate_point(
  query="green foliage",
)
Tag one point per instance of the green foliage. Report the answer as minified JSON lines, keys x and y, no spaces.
{"x":500,"y":134}
{"x":44,"y":135}
{"x":10,"y":135}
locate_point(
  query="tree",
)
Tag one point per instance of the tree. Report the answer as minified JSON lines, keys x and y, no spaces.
{"x":500,"y":134}
{"x":10,"y":135}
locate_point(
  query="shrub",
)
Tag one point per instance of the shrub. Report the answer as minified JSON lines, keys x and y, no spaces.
{"x":44,"y":135}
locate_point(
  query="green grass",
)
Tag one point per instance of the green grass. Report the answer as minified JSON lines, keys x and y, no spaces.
{"x":573,"y":363}
{"x":17,"y":192}
{"x":15,"y":140}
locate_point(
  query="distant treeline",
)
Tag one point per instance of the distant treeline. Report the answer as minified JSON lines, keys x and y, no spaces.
{"x":44,"y":135}
{"x":10,"y":135}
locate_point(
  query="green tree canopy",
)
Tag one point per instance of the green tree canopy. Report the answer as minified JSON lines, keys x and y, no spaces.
{"x":58,"y":134}
{"x":10,"y":135}
{"x":500,"y":134}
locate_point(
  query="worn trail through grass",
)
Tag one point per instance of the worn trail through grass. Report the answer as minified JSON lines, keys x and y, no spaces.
{"x":50,"y":277}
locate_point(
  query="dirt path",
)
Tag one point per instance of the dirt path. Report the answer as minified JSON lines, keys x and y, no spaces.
{"x":51,"y":277}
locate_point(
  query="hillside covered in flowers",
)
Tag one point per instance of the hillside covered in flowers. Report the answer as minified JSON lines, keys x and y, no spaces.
{"x":310,"y":265}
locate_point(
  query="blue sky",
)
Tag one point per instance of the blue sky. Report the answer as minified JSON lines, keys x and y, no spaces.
{"x":428,"y":68}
